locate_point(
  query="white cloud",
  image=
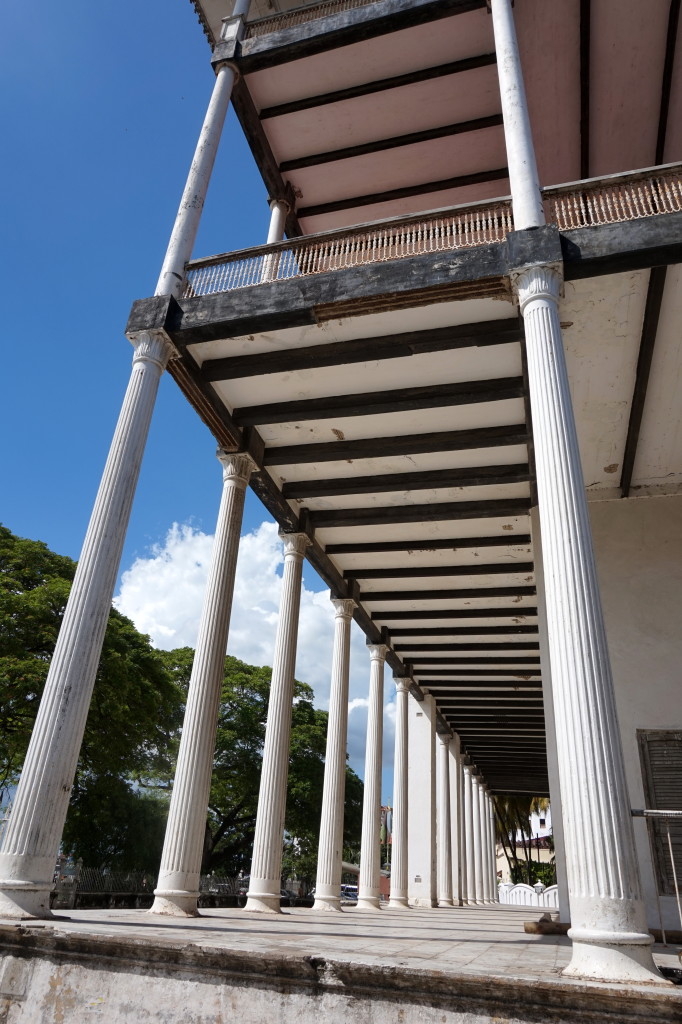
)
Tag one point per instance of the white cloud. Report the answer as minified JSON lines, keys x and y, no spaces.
{"x":163,"y":594}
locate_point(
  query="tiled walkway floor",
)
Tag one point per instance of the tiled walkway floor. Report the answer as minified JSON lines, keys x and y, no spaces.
{"x":471,"y":940}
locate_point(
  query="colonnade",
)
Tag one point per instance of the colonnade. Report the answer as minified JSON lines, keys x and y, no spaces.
{"x":610,"y":938}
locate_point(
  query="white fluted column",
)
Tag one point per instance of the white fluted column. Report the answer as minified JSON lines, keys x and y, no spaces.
{"x":398,"y":896}
{"x":463,"y":844}
{"x":455,"y":818}
{"x":493,"y":850}
{"x":468,"y":770}
{"x":485,"y":839}
{"x":422,"y":889}
{"x":444,"y":851}
{"x":370,"y":844}
{"x":33,"y":833}
{"x":266,"y":865}
{"x":177,"y":890}
{"x":279,"y":210}
{"x":477,"y":843}
{"x":609,"y":933}
{"x":330,"y":849}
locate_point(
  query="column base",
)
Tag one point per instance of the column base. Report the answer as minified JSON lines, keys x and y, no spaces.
{"x":368,"y":903}
{"x":175,"y":903}
{"x":398,"y":903}
{"x":619,"y":957}
{"x":445,"y":903}
{"x":332,"y":903}
{"x":21,"y":901}
{"x":261,"y":903}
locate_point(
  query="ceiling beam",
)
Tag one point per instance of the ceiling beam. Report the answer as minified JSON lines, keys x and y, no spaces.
{"x":667,"y":77}
{"x":424,"y":188}
{"x":360,"y":350}
{"x":456,"y":614}
{"x":381,"y":483}
{"x":489,"y":674}
{"x":433,"y":571}
{"x":585,"y":28}
{"x":436,"y":544}
{"x":416,"y":649}
{"x":438,"y":512}
{"x":463,"y":662}
{"x":396,"y":142}
{"x":462,"y":630}
{"x":410,"y":444}
{"x":372,"y":403}
{"x":456,"y":594}
{"x":380,"y":85}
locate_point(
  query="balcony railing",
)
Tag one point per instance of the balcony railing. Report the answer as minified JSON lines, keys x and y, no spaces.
{"x":577,"y":205}
{"x":300,"y":16}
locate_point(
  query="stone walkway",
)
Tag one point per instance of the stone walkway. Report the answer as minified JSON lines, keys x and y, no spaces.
{"x":486,"y":941}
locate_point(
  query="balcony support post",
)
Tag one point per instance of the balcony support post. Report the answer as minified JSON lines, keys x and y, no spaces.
{"x":398,"y":896}
{"x":470,"y":891}
{"x":370,"y":845}
{"x":444,"y":849}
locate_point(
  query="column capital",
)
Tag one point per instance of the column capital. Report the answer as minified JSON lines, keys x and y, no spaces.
{"x":402,"y":684}
{"x":343,"y":608}
{"x":444,"y":738}
{"x":377,"y":652}
{"x":274,"y":201}
{"x":152,"y":347}
{"x":540,"y":284}
{"x":295,"y":544}
{"x":237,"y":466}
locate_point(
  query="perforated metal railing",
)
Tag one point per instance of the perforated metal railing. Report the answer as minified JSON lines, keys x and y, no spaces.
{"x":338,"y":250}
{"x":615,"y":199}
{"x":301,"y":15}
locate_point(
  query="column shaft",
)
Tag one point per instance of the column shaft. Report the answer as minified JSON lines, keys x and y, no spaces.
{"x":370,"y":845}
{"x":177,"y":891}
{"x":266,"y":867}
{"x":487,"y":852}
{"x":456,"y":818}
{"x":444,"y":849}
{"x":478,"y":841}
{"x":330,"y":850}
{"x":33,"y":833}
{"x":469,"y":835}
{"x":398,"y":897}
{"x":493,"y":850}
{"x":421,"y":802}
{"x":279,"y":209}
{"x":463,"y":844}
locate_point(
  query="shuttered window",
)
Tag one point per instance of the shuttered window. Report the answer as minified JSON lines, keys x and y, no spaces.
{"x":661,"y":756}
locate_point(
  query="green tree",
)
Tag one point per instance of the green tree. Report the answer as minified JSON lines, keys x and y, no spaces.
{"x":135,"y":710}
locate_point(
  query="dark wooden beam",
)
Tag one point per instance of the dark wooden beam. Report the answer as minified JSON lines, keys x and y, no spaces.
{"x":622,"y":247}
{"x":585,"y":27}
{"x":396,"y":142}
{"x":361,"y":350}
{"x":372,"y":403}
{"x":429,"y":513}
{"x":344,"y":28}
{"x":424,"y":631}
{"x":417,"y":660}
{"x":666,"y":83}
{"x":434,"y":571}
{"x":418,"y":649}
{"x":410,"y":444}
{"x":423,"y":188}
{"x":262,"y":153}
{"x":455,"y":615}
{"x":491,"y":675}
{"x":445,"y":703}
{"x":485,"y":593}
{"x":380,"y":85}
{"x":473,"y":476}
{"x":437,"y":544}
{"x":652,"y":312}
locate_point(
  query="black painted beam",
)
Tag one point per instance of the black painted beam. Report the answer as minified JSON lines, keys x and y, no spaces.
{"x":418,"y":660}
{"x":373,"y":403}
{"x":434,"y":571}
{"x":396,"y":142}
{"x":500,"y":631}
{"x":456,"y":614}
{"x":478,"y":673}
{"x":360,"y":350}
{"x":453,"y":544}
{"x":451,"y":594}
{"x":411,"y":444}
{"x":423,"y":188}
{"x":438,"y":512}
{"x":380,"y":85}
{"x":473,"y":476}
{"x":454,"y":648}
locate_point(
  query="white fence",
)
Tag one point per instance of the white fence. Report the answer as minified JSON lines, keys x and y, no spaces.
{"x":522,"y":895}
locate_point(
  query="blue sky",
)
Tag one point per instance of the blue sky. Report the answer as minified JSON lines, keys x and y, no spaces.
{"x":101,"y":105}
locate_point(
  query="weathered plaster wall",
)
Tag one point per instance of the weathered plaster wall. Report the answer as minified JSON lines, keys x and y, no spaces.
{"x":638,"y":545}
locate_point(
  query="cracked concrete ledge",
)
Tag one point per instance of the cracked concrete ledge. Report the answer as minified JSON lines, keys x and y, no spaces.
{"x":48,"y":975}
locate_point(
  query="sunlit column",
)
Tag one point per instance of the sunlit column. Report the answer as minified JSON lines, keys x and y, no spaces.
{"x":485,"y":842}
{"x":468,"y":770}
{"x":330,"y":850}
{"x":477,"y":843}
{"x":421,"y":802}
{"x":455,"y":818}
{"x":444,"y":849}
{"x":33,"y":834}
{"x":177,"y":891}
{"x":398,"y":897}
{"x":370,"y":846}
{"x":266,"y":867}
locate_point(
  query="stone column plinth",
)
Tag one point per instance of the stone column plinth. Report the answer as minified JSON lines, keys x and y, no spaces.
{"x":610,"y":937}
{"x":398,"y":895}
{"x":177,"y":890}
{"x":330,"y":849}
{"x":470,"y":897}
{"x":370,"y":845}
{"x":444,"y":848}
{"x":421,"y":802}
{"x":33,"y":834}
{"x":266,"y":867}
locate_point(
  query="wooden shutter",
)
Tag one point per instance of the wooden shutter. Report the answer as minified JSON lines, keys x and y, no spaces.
{"x":661,"y":756}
